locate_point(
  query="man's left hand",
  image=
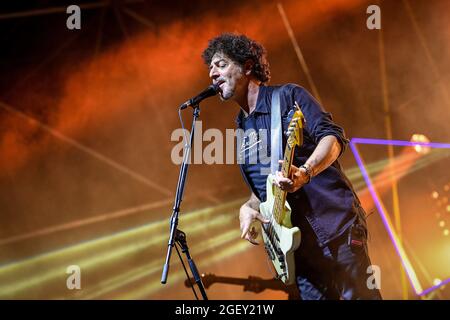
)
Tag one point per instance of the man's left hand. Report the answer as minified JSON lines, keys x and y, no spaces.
{"x":297,"y":179}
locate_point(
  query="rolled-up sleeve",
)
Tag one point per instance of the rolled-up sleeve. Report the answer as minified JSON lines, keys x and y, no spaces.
{"x":319,"y":123}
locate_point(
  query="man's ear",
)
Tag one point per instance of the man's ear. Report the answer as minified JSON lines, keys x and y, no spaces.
{"x":248,"y":66}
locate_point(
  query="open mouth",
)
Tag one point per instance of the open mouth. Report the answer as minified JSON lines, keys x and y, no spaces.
{"x":219,"y":84}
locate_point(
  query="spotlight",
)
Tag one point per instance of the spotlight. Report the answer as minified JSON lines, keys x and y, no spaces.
{"x":435,"y":195}
{"x":436,"y":282}
{"x":446,"y":232}
{"x":420,"y":148}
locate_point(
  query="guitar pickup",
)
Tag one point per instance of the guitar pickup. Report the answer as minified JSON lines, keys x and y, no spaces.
{"x":276,"y":237}
{"x":281,"y":258}
{"x":270,"y":252}
{"x":280,"y":253}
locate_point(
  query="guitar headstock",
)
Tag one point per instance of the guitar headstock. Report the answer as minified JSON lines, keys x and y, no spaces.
{"x":295,"y":134}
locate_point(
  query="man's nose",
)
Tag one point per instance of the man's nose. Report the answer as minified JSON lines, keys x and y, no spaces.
{"x":213,"y":74}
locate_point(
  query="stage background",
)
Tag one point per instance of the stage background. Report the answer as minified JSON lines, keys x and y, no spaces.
{"x":86,"y":118}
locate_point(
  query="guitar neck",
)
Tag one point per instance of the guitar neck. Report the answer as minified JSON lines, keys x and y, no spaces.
{"x":280,"y":195}
{"x":295,"y":138}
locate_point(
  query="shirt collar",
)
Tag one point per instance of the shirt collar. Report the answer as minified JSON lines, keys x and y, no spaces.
{"x":260,"y":106}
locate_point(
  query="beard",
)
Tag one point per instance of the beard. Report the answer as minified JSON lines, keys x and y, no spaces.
{"x":226,"y":94}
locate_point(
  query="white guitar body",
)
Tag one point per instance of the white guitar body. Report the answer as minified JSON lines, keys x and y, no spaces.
{"x":280,"y":240}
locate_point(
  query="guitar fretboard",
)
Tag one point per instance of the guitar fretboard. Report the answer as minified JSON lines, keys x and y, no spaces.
{"x":295,"y":138}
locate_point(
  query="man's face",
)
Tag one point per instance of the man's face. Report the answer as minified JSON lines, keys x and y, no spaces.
{"x":227,"y":74}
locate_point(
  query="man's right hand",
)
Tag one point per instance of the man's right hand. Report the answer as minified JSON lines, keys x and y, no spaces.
{"x":247,"y":216}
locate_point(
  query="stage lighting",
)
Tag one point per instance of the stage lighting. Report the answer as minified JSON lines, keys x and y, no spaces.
{"x":420,"y":138}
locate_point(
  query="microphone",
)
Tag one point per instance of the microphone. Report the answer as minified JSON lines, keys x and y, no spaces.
{"x":212,"y":90}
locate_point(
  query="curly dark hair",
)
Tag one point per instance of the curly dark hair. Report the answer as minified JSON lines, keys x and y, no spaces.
{"x":240,"y":48}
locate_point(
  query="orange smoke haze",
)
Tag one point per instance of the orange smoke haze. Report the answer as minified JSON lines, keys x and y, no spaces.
{"x":146,"y":70}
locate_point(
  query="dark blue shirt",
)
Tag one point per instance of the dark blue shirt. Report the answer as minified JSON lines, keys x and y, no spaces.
{"x":328,"y":203}
{"x":254,"y":155}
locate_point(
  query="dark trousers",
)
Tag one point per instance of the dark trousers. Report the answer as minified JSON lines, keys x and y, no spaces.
{"x":337,"y":271}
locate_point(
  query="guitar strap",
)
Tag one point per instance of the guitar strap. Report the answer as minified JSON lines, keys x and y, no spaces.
{"x":276,"y":143}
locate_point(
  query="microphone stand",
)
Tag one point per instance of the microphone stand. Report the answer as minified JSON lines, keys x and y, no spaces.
{"x":176,"y":234}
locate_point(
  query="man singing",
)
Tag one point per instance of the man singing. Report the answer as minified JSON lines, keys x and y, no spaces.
{"x":324,"y":205}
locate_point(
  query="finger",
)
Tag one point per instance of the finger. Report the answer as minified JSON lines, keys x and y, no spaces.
{"x":251,"y":236}
{"x":275,"y":181}
{"x":246,"y":227}
{"x":251,"y":240}
{"x":278,"y":178}
{"x":285,"y":182}
{"x":293,"y":172}
{"x":261,"y":218}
